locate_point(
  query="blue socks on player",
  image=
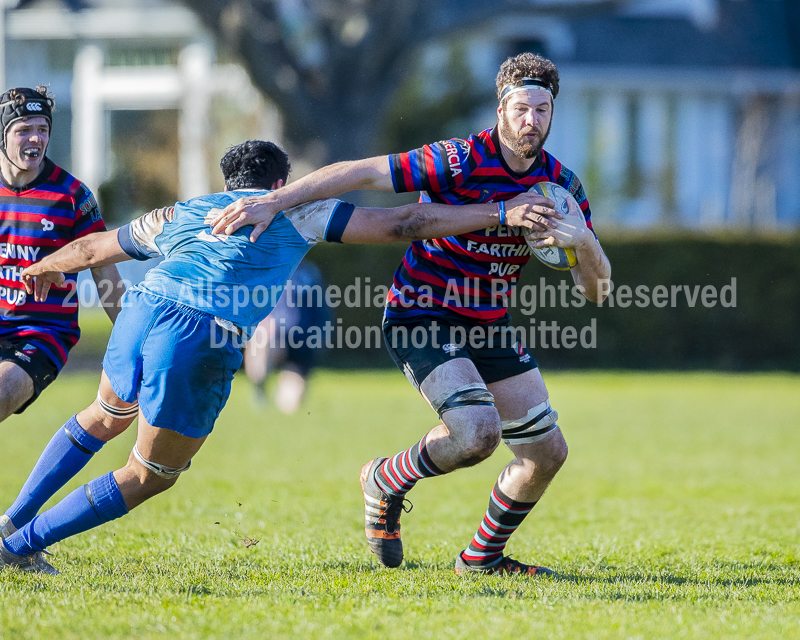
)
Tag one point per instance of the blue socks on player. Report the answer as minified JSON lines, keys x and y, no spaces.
{"x":87,"y":507}
{"x":64,"y":456}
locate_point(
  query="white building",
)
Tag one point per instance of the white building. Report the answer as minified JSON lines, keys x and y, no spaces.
{"x":672,"y":112}
{"x":152,"y":62}
{"x":131,"y":55}
{"x":678,"y":112}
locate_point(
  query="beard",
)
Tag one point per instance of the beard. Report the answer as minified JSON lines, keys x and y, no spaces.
{"x":517,"y":142}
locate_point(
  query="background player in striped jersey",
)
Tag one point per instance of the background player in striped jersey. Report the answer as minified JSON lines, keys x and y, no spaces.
{"x":42,"y":208}
{"x":175,"y":346}
{"x":482,"y":392}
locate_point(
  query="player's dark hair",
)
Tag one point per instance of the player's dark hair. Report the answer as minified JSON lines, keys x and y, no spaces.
{"x":527,"y":65}
{"x":254,"y":164}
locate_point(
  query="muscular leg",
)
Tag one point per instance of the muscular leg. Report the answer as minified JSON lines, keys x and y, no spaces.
{"x":534,"y":465}
{"x":521,"y":483}
{"x":98,"y":422}
{"x":110,"y":496}
{"x":466,"y":436}
{"x":16,"y":388}
{"x":68,"y":452}
{"x":136,"y":482}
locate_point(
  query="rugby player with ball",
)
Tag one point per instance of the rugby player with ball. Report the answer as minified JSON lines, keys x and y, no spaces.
{"x":487,"y":390}
{"x":175,"y":345}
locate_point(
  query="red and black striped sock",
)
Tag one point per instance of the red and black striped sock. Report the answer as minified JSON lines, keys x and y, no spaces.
{"x":398,"y":475}
{"x":502,"y":518}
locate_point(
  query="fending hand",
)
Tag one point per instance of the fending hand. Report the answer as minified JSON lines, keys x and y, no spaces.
{"x":38,"y":282}
{"x":532,"y":211}
{"x":255,"y":211}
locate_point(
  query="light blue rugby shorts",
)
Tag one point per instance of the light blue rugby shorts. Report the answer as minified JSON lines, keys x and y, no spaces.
{"x":161,"y":352}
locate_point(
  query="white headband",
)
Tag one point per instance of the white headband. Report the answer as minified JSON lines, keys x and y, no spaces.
{"x":536,"y":84}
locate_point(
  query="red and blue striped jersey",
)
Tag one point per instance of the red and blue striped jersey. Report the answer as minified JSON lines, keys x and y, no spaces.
{"x":35,"y":221}
{"x":473,"y":274}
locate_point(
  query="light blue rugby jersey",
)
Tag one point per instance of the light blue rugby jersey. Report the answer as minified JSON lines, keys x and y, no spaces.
{"x":229,"y":277}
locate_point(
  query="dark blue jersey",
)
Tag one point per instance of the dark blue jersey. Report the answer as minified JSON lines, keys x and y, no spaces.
{"x":36,"y":220}
{"x":472,"y":274}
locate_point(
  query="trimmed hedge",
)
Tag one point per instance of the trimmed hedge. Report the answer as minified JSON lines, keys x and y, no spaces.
{"x":759,"y":333}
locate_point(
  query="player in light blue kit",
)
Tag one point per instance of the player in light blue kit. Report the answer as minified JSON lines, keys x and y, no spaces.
{"x":174,"y":347}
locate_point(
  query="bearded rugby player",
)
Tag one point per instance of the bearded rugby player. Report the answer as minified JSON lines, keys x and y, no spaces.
{"x":176,"y":344}
{"x":489,"y":389}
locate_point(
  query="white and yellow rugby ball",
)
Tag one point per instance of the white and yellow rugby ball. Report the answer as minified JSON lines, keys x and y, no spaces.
{"x":553,"y":257}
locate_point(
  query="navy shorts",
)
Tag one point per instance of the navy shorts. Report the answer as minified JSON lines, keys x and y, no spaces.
{"x":302,"y":359}
{"x":28,"y":356}
{"x":176,"y":360}
{"x":420,"y":345}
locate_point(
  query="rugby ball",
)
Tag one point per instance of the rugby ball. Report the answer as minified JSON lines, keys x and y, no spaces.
{"x":553,"y":257}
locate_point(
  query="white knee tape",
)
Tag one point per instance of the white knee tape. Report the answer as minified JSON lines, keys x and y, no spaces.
{"x":160,"y":470}
{"x":538,"y":422}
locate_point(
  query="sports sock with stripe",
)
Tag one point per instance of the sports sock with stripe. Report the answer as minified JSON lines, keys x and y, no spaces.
{"x":398,"y":475}
{"x":502,"y":518}
{"x":64,"y":456}
{"x":87,"y":507}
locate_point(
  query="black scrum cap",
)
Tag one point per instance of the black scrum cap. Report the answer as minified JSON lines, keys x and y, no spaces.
{"x":19,"y":103}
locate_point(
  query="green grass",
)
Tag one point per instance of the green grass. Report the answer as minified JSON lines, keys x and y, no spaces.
{"x":676,"y":515}
{"x":95,"y":332}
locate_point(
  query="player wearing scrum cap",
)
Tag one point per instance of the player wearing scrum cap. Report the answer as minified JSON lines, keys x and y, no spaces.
{"x":42,"y":208}
{"x":482,"y":392}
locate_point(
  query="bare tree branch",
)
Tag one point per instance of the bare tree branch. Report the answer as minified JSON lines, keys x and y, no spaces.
{"x":332,"y":66}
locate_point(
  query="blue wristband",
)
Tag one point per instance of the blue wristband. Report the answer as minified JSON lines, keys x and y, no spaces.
{"x":501,"y":209}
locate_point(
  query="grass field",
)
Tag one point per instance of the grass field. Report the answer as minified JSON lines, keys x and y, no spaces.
{"x":676,"y":515}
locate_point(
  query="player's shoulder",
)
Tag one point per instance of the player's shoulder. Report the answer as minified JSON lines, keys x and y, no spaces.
{"x":475,"y":150}
{"x":317,"y":209}
{"x":477,"y":143}
{"x":219,"y":200}
{"x":463,"y":156}
{"x":563,"y":175}
{"x":57,"y":179}
{"x":484,"y":139}
{"x":320,"y":220}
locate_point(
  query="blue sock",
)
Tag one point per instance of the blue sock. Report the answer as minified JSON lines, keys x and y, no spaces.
{"x":87,"y":507}
{"x":66,"y":454}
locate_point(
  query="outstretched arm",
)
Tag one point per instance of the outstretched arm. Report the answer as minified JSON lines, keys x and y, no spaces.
{"x":327,"y":182}
{"x":92,"y":251}
{"x":422,"y":220}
